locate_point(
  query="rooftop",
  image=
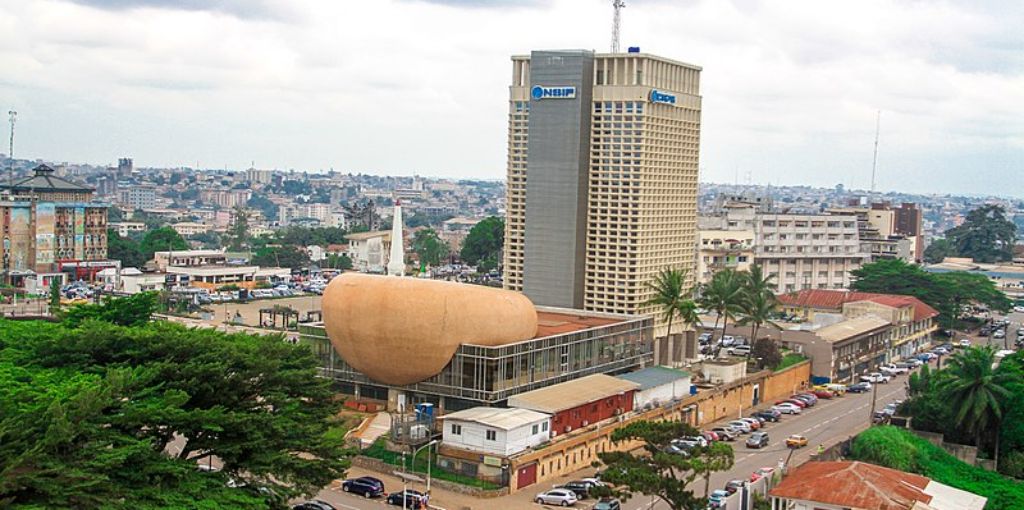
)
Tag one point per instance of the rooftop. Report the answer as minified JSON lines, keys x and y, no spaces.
{"x":859,"y":485}
{"x":550,"y":322}
{"x":655,"y":376}
{"x":570,"y":394}
{"x":45,"y":181}
{"x":851,"y":328}
{"x":189,"y":253}
{"x":835,"y":299}
{"x":362,"y":236}
{"x":505,"y":419}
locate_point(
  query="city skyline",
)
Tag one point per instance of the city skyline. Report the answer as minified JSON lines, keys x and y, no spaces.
{"x":791,"y":95}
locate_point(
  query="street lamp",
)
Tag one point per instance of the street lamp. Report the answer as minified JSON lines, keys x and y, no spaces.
{"x":415,"y":453}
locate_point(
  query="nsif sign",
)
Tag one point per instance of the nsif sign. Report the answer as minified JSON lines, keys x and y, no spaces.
{"x":542,"y":92}
{"x":661,"y":97}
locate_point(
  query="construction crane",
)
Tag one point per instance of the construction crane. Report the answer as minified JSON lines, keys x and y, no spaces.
{"x":616,"y":23}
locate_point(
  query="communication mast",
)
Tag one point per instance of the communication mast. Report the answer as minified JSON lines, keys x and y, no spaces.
{"x":616,"y":23}
{"x":10,"y":155}
{"x":874,"y":160}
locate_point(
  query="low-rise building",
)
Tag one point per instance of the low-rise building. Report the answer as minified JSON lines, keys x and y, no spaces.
{"x":496,"y":431}
{"x":658,"y":385}
{"x":212,"y":277}
{"x":580,"y":402}
{"x":124,"y":228}
{"x":845,"y":485}
{"x":369,"y":251}
{"x":840,"y":352}
{"x":189,"y":228}
{"x":188,"y":258}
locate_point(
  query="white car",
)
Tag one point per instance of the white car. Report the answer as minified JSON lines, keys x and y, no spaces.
{"x":892,"y":369}
{"x":1018,"y":309}
{"x":562,"y":497}
{"x":965,"y":342}
{"x":875,"y":377}
{"x":740,"y":425}
{"x":999,"y":333}
{"x":787,"y":408}
{"x":741,"y":350}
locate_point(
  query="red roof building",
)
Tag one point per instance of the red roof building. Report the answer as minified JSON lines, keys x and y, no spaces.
{"x":863,"y":486}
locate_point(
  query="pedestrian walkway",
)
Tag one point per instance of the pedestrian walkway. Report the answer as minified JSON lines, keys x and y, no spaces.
{"x":379,"y":425}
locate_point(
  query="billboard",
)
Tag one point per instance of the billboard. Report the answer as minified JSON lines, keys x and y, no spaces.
{"x":45,"y":239}
{"x":21,"y":238}
{"x":79,"y":233}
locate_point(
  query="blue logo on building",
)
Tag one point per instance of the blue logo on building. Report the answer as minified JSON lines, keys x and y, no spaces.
{"x":541,"y":92}
{"x":661,"y":97}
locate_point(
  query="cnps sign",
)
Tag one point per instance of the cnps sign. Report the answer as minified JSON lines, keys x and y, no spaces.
{"x":542,"y":92}
{"x":661,"y":97}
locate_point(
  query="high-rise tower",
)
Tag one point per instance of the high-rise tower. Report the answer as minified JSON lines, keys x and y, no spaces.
{"x":602,"y":176}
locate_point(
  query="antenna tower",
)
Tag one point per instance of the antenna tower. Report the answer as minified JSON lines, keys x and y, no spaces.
{"x":10,"y":154}
{"x":616,"y":23}
{"x":874,"y":160}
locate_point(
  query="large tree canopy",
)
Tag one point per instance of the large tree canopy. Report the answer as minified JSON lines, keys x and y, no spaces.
{"x":161,"y":239}
{"x":484,"y":243}
{"x":986,"y":235}
{"x":109,"y":416}
{"x":430,"y":248}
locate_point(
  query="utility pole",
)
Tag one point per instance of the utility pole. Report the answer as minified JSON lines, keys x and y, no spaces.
{"x":874,"y":160}
{"x":616,"y":23}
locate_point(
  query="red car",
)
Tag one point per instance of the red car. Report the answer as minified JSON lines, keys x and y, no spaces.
{"x":823,"y":394}
{"x":710,"y":435}
{"x":761,"y":473}
{"x":799,"y":403}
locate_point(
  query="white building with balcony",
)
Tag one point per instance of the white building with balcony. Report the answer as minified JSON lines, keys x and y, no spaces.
{"x":808,"y":251}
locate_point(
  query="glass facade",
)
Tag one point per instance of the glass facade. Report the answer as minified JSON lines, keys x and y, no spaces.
{"x":492,"y":374}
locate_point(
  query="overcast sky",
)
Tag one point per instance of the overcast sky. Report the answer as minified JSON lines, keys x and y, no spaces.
{"x":791,"y":88}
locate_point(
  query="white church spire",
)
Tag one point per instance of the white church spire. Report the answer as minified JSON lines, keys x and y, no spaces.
{"x":396,"y":262}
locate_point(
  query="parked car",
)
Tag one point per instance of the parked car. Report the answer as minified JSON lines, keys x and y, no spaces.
{"x":367,"y":486}
{"x":757,"y":440}
{"x":710,"y":435}
{"x":608,"y":504}
{"x":767,"y":415}
{"x":826,"y":394}
{"x":561,"y":497}
{"x":796,"y":402}
{"x":796,"y":441}
{"x":734,"y":485}
{"x":740,"y":350}
{"x":717,"y":498}
{"x":809,"y":397}
{"x":999,"y":334}
{"x":861,"y":387}
{"x":893,"y":369}
{"x":964,"y":342}
{"x":726,"y":433}
{"x":838,"y":389}
{"x":755,"y":424}
{"x":314,"y":504}
{"x":875,"y":377}
{"x":740,"y":425}
{"x":788,"y":408}
{"x":1018,"y":309}
{"x":582,"y":489}
{"x":412,"y":499}
{"x":761,"y":473}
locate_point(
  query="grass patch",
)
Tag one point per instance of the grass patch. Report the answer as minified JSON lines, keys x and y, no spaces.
{"x":790,"y":359}
{"x":899,"y":449}
{"x":378,"y":451}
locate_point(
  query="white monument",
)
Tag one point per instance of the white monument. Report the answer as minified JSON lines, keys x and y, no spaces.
{"x":396,"y":261}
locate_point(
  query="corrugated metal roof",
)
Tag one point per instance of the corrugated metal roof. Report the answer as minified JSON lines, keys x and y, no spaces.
{"x":834,"y":300}
{"x":652,"y":377}
{"x":572,"y":394}
{"x":854,"y":485}
{"x":851,"y":328}
{"x":499,"y":418}
{"x":44,"y":180}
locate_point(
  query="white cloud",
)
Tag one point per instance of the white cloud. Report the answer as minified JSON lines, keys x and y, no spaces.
{"x":396,"y":86}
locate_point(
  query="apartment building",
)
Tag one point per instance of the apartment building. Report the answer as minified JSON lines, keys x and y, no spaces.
{"x":602,"y":176}
{"x":228,"y":199}
{"x":137,"y":197}
{"x":808,"y":251}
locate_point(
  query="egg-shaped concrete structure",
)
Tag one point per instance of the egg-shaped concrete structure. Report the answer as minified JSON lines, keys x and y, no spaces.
{"x":402,"y":331}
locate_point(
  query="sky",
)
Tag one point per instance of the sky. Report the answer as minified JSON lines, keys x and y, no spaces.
{"x":791,"y":89}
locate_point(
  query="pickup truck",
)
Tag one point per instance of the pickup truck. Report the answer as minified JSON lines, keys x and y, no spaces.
{"x":892,"y":369}
{"x":875,"y":377}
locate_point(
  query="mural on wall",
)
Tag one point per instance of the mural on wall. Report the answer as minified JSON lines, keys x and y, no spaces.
{"x":45,"y":238}
{"x":79,"y":233}
{"x":21,"y":238}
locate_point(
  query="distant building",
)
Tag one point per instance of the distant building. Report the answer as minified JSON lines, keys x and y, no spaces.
{"x":125,"y":228}
{"x":723,"y":249}
{"x":49,"y":225}
{"x":227,"y":199}
{"x":257,"y":176}
{"x":188,"y":258}
{"x":856,"y":485}
{"x":125,"y":167}
{"x":137,"y":197}
{"x":188,"y":228}
{"x":658,"y":385}
{"x":808,"y":251}
{"x":369,"y":250}
{"x":580,"y":402}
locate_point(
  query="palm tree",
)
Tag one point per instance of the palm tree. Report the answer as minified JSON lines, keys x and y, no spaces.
{"x":757,"y":310}
{"x":672,"y":296}
{"x":975,"y":390}
{"x":759,"y":283}
{"x":723,"y":294}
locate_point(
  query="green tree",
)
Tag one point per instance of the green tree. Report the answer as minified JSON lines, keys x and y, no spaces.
{"x":108,"y":416}
{"x":723,"y":295}
{"x":938,"y":250}
{"x":658,"y":472}
{"x":766,"y":352}
{"x":54,"y":295}
{"x":718,"y":456}
{"x":672,"y":297}
{"x":756,"y":309}
{"x":133,"y":310}
{"x":430,"y":248}
{"x":291,"y":257}
{"x":975,"y":390}
{"x":263,"y":204}
{"x":482,"y":246}
{"x":238,"y":232}
{"x":986,"y":235}
{"x":124,"y":249}
{"x":161,"y":239}
{"x":336,"y":261}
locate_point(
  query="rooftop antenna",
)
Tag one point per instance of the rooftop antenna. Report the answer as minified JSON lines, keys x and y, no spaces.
{"x":874,"y":160}
{"x":10,"y":154}
{"x":616,"y":23}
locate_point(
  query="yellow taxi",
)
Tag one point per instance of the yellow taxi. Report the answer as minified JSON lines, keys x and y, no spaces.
{"x":796,"y":441}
